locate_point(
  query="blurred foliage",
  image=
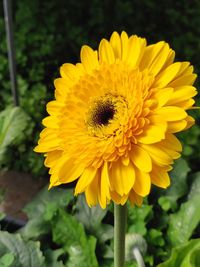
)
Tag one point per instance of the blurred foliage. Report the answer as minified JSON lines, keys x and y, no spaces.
{"x":13,"y":122}
{"x":50,"y":33}
{"x":186,"y":255}
{"x":63,"y":231}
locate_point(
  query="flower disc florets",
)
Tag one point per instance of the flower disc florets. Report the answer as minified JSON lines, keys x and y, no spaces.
{"x":112,"y":124}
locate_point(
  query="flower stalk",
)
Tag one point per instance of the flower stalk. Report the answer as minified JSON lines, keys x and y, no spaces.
{"x":120,"y":216}
{"x":138,"y":257}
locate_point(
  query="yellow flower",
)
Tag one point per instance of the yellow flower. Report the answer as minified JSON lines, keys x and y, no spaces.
{"x":112,"y":123}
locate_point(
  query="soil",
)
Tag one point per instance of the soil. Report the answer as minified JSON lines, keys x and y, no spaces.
{"x":18,"y":189}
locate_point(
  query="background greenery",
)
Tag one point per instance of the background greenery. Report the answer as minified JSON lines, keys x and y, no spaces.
{"x":48,"y":34}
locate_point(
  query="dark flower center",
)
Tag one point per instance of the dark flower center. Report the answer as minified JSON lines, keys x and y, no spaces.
{"x":103,"y":113}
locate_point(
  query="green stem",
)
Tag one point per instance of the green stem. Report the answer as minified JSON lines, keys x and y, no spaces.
{"x":120,"y":214}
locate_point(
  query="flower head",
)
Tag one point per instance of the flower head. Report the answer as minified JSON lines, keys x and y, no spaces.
{"x":112,"y":123}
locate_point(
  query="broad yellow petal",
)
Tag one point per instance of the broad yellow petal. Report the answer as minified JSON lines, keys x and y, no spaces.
{"x":69,"y":171}
{"x":171,"y":113}
{"x":52,"y":158}
{"x":71,"y":72}
{"x":176,"y":126}
{"x":122,"y":177}
{"x":54,"y":107}
{"x":142,"y":183}
{"x":124,"y":42}
{"x":135,"y":199}
{"x":163,"y":96}
{"x":190,"y":122}
{"x":104,"y":194}
{"x":160,"y":157}
{"x":167,"y":75}
{"x":183,"y":80}
{"x":85,"y":179}
{"x":160,"y":177}
{"x":153,"y":133}
{"x":106,"y":53}
{"x":115,"y":42}
{"x":182,"y":93}
{"x":91,"y":192}
{"x":135,"y":48}
{"x":51,"y":122}
{"x":49,"y":141}
{"x":150,"y":54}
{"x":89,"y":58}
{"x":141,"y":159}
{"x":160,"y":59}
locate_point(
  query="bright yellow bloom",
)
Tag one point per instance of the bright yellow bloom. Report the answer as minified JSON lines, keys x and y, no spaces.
{"x":112,"y":124}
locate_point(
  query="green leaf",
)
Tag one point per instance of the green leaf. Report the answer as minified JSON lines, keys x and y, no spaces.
{"x":70,"y":234}
{"x":138,"y":217}
{"x":183,"y":223}
{"x":178,"y":187}
{"x":195,"y":187}
{"x":13,"y":122}
{"x":92,"y":218}
{"x":156,"y":237}
{"x":51,"y":258}
{"x":78,"y":255}
{"x":185,"y":255}
{"x":42,"y":208}
{"x":6,"y":260}
{"x":26,"y":253}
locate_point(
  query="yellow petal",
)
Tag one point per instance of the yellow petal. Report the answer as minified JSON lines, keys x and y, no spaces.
{"x":190,"y":122}
{"x":170,"y":59}
{"x":150,"y":54}
{"x":158,"y":155}
{"x":172,"y":142}
{"x":176,"y":126}
{"x":182,"y":93}
{"x":142,"y":183}
{"x":124,"y":41}
{"x":135,"y":48}
{"x":52,"y":158}
{"x":141,"y":159}
{"x":50,"y":122}
{"x":54,"y":107}
{"x":62,"y":88}
{"x":91,"y":192}
{"x":160,"y":59}
{"x":69,"y":171}
{"x":115,"y":42}
{"x":187,"y":104}
{"x":153,"y":133}
{"x":105,"y":186}
{"x":54,"y":181}
{"x":85,"y":179}
{"x":183,"y":80}
{"x":171,"y":113}
{"x":163,"y":95}
{"x":106,"y":53}
{"x":167,"y":75}
{"x":135,"y":199}
{"x":89,"y":58}
{"x":120,"y":200}
{"x":70,"y":71}
{"x":48,"y":141}
{"x":122,"y":177}
{"x":160,"y":177}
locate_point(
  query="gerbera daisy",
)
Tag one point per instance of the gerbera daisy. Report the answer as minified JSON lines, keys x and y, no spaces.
{"x":112,"y":123}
